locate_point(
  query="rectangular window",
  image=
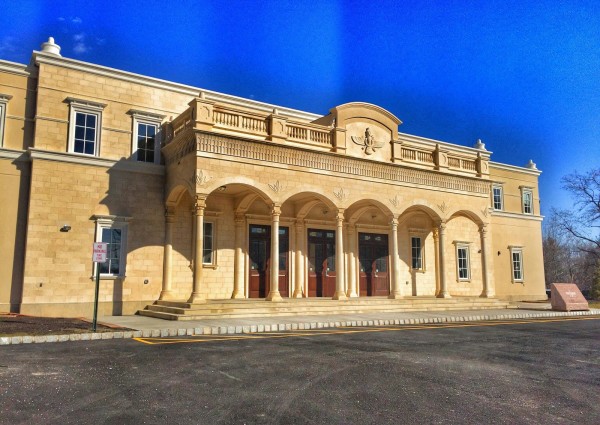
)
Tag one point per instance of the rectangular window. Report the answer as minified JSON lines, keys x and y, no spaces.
{"x":4,"y":98}
{"x":113,"y":231}
{"x":146,"y":142}
{"x":208,"y":245}
{"x":84,"y":126}
{"x":527,"y":201}
{"x":462,"y":261}
{"x":517,"y":264}
{"x":497,"y":198}
{"x":417,"y":253}
{"x":85,"y":133}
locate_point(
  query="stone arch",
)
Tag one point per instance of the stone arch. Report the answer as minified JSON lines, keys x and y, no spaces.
{"x":358,"y":208}
{"x":175,"y":195}
{"x":422,"y":207}
{"x":473,"y":216}
{"x":251,"y":184}
{"x":317,"y":198}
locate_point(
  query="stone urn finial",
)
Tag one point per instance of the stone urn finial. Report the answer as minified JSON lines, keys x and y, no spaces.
{"x":51,"y":47}
{"x":531,"y":165}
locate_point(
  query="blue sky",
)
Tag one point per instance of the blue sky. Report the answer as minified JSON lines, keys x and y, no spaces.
{"x":523,"y":76}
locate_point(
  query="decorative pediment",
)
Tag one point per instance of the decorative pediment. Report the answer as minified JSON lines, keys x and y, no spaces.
{"x":370,"y":130}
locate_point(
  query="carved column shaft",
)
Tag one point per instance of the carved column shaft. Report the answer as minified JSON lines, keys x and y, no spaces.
{"x":238,"y":265}
{"x":299,"y":272}
{"x":198,"y":249}
{"x":436,"y":249}
{"x":274,"y":294}
{"x":395,"y":260}
{"x":166,"y":292}
{"x":443,"y":285}
{"x":488,"y":291}
{"x":352,"y":291}
{"x":339,"y":259}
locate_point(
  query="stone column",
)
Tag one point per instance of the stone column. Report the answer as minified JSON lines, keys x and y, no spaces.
{"x":488,"y":291}
{"x":274,"y":294}
{"x":238,"y":260}
{"x":443,"y":286}
{"x":166,"y":293}
{"x":339,"y":258}
{"x":199,"y":207}
{"x":299,"y":269}
{"x":436,"y":249}
{"x":395,"y":293}
{"x":352,"y":292}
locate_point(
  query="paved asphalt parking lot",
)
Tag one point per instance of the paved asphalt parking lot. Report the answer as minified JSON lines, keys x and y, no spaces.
{"x":518,"y":372}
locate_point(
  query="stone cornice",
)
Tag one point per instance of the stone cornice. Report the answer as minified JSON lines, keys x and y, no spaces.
{"x":519,"y":216}
{"x":18,"y":155}
{"x":198,"y":141}
{"x":15,"y":68}
{"x":506,"y":167}
{"x":75,"y":158}
{"x":44,"y":58}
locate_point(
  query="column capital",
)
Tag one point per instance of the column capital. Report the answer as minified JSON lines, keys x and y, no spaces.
{"x":340,"y":215}
{"x":483,"y":229}
{"x":394,"y":222}
{"x":275,"y":209}
{"x":441,"y":224}
{"x":199,"y":204}
{"x":169,"y":214}
{"x":239,"y":218}
{"x":436,"y":233}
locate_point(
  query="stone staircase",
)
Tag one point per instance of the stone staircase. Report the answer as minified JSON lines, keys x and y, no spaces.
{"x":213,"y":309}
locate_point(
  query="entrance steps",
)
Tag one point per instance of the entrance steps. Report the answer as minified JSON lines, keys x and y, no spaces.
{"x":212,"y":309}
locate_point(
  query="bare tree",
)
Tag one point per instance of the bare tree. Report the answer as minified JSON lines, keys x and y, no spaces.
{"x":582,"y":226}
{"x":583,"y":223}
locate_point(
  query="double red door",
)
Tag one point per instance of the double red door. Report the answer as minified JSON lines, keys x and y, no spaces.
{"x":373,"y":262}
{"x":260,"y":260}
{"x":321,"y":263}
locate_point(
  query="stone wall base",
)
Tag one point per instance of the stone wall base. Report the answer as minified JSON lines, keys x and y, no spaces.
{"x":84,"y":309}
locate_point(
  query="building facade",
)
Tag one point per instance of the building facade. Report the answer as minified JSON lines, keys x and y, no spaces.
{"x":203,"y":195}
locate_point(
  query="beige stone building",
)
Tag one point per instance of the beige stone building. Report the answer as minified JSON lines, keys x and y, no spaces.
{"x":206,"y":196}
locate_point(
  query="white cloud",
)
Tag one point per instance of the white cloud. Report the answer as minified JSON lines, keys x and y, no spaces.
{"x":80,"y":47}
{"x":7,"y":44}
{"x":76,"y":20}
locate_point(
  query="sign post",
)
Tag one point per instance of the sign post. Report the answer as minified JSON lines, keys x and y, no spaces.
{"x":99,"y":256}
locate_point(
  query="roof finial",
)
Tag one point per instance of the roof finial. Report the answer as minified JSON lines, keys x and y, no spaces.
{"x":479,"y":145}
{"x":51,"y":47}
{"x":531,"y":165}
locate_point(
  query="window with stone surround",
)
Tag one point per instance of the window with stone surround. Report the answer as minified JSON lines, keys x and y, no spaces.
{"x":113,"y":231}
{"x":416,"y":248}
{"x":497,"y":197}
{"x":4,"y":98}
{"x":527,"y":199}
{"x":516,"y":261}
{"x":463,"y":266}
{"x":208,"y":252}
{"x":146,"y":140}
{"x":85,"y":122}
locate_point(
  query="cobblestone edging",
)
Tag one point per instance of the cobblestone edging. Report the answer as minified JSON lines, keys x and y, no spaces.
{"x":225,"y":330}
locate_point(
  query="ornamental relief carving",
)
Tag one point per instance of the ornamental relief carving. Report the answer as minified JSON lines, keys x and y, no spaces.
{"x":261,"y":152}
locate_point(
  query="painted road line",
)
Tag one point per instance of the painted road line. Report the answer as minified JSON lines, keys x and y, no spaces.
{"x":349,"y":330}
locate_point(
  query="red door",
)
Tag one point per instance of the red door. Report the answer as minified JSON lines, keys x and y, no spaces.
{"x":321,"y":263}
{"x":260,"y":254}
{"x":373,"y":262}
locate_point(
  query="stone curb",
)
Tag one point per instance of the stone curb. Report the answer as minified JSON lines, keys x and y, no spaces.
{"x":248,"y":329}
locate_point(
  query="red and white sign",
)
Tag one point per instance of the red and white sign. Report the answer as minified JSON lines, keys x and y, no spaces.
{"x":100,"y":252}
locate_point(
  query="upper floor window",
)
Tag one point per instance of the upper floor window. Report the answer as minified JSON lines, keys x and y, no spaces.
{"x":4,"y":98}
{"x":527,"y":197}
{"x":85,"y":122}
{"x":146,"y":141}
{"x":497,"y":198}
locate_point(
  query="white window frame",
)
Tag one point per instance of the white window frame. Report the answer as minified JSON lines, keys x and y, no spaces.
{"x":4,"y":98}
{"x":466,"y":246}
{"x":529,"y":191}
{"x":113,"y":222}
{"x":501,"y":190}
{"x":420,"y":234}
{"x":519,"y":251}
{"x":211,"y":217}
{"x":84,"y":107}
{"x":148,"y":118}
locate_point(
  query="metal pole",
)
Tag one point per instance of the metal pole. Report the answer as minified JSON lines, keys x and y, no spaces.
{"x":96,"y":297}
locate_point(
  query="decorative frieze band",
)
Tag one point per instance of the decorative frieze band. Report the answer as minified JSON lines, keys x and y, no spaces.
{"x":322,"y":161}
